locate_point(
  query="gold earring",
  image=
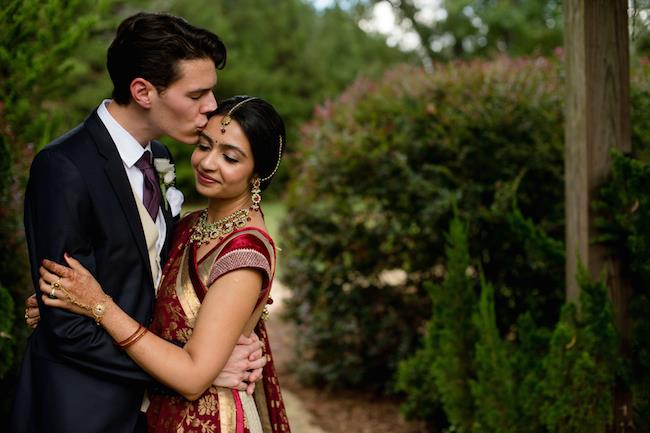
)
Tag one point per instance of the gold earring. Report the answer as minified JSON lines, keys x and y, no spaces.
{"x":255,"y":194}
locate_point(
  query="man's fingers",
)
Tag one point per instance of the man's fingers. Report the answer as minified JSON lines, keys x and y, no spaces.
{"x":255,"y":375}
{"x":244,"y":341}
{"x":257,"y":354}
{"x":258,"y":363}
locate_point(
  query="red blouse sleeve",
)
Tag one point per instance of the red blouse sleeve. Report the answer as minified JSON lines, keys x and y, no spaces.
{"x":245,"y":250}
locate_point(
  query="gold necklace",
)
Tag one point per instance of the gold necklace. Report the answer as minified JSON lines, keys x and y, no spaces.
{"x":203,"y":231}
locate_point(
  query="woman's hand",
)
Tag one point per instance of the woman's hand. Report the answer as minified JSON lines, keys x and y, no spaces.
{"x":71,"y":288}
{"x":32,"y":313}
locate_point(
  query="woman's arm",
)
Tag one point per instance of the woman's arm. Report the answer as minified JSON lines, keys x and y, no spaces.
{"x":189,"y":370}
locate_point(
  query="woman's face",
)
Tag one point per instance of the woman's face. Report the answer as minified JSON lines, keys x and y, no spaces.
{"x":223,"y":162}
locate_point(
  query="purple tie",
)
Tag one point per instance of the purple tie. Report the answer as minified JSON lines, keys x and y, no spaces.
{"x":151,"y":189}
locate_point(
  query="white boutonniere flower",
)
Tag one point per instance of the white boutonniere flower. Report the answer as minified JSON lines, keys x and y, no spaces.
{"x":167,"y":178}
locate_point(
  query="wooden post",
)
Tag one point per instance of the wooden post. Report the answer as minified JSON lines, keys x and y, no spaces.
{"x":597,"y":119}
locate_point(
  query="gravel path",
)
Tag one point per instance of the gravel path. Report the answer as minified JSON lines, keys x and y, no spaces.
{"x":300,"y":419}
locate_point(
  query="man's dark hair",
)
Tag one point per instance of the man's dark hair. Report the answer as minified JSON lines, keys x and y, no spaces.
{"x":150,"y":45}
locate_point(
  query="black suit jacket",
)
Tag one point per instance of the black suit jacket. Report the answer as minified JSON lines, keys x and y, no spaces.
{"x":79,"y":200}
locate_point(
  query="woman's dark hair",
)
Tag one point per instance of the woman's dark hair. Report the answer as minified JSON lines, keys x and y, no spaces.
{"x":150,"y":45}
{"x":264,"y":129}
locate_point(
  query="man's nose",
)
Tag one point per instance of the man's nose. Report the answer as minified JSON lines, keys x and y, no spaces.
{"x":210,"y":103}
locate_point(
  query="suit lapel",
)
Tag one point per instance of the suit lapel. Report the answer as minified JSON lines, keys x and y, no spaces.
{"x":117,"y":176}
{"x":159,"y":151}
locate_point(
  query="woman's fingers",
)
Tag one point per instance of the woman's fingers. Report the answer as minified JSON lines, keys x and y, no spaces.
{"x":65,"y":304}
{"x":32,"y":322}
{"x":31,"y":302}
{"x":48,"y":276}
{"x":54,"y":302}
{"x":75,"y":264}
{"x":57,"y":269}
{"x":32,"y":313}
{"x":44,"y":285}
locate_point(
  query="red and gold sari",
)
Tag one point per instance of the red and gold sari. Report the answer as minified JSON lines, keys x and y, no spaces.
{"x":183,"y":286}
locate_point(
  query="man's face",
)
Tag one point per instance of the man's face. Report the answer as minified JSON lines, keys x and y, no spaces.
{"x":180,"y":111}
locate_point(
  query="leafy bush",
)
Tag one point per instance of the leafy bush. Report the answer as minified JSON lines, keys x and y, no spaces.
{"x":581,"y":364}
{"x":558,"y":380}
{"x":7,"y":341}
{"x":528,"y":381}
{"x":624,"y":223}
{"x":378,"y":169}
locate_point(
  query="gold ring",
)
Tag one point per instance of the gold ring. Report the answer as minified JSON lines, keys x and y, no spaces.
{"x":56,"y":284}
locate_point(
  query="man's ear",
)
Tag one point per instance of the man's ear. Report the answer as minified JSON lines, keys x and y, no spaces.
{"x":142,"y":92}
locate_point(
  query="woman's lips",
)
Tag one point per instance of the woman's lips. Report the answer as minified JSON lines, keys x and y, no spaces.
{"x":205,"y":179}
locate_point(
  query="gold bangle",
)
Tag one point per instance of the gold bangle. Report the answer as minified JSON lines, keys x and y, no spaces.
{"x":133,"y":337}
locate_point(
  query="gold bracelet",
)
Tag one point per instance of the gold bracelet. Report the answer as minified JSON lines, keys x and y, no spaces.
{"x":99,"y":309}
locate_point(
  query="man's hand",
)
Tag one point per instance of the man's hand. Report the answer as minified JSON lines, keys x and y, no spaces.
{"x":244,"y":367}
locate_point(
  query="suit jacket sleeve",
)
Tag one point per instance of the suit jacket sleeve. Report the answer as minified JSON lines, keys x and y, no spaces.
{"x":59,"y":218}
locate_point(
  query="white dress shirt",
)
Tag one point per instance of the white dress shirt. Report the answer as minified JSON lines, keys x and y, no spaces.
{"x":131,"y":151}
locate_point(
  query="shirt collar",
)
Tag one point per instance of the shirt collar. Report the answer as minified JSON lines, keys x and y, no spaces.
{"x":127,"y":146}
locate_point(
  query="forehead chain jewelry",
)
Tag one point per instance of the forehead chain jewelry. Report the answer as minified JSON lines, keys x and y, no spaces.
{"x":225,"y":121}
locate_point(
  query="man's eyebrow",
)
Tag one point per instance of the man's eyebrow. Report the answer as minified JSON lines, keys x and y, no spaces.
{"x":201,"y":90}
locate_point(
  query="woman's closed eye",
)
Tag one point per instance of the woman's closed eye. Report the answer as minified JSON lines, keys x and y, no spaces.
{"x":229,"y":159}
{"x":202,"y":145}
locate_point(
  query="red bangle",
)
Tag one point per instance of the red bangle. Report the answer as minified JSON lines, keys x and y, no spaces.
{"x":133,"y":337}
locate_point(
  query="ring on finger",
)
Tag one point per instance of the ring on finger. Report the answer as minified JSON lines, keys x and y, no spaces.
{"x":56,"y":284}
{"x":52,"y":294}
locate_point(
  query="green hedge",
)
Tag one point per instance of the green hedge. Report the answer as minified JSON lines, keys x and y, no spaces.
{"x":528,"y":381}
{"x":378,"y":169}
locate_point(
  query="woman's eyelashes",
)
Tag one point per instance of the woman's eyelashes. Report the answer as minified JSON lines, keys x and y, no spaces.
{"x":204,"y":146}
{"x":229,"y":159}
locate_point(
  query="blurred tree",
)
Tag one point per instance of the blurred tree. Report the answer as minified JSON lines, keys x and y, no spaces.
{"x":469,"y":28}
{"x":286,"y":52}
{"x":640,"y":32}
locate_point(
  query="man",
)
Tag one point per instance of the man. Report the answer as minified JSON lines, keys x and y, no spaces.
{"x":94,"y":194}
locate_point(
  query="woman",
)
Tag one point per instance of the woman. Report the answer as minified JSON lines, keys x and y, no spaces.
{"x":214,"y":287}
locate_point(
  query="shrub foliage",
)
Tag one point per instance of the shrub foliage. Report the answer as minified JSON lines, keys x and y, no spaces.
{"x":378,"y":169}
